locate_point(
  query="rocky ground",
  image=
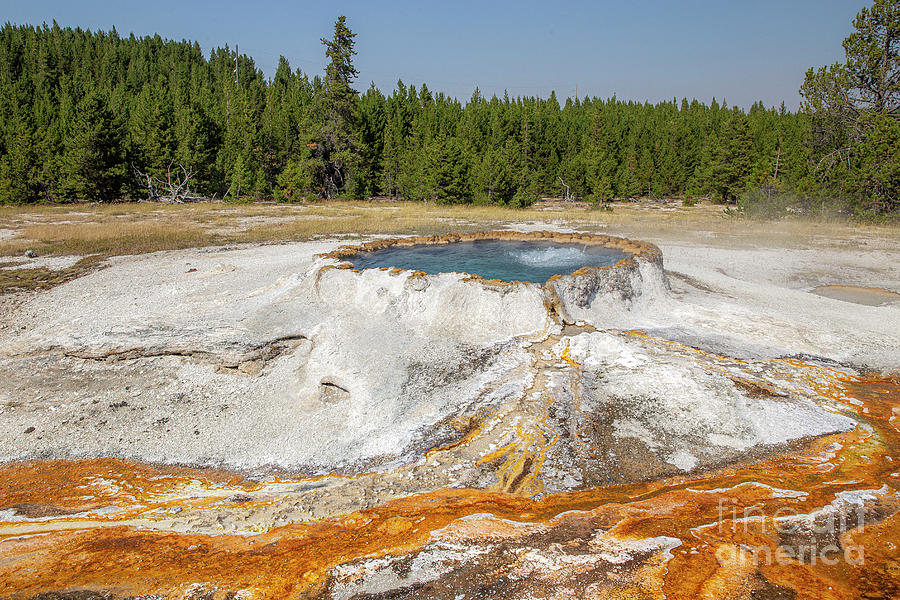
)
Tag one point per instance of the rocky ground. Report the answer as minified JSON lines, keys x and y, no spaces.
{"x":253,"y":422}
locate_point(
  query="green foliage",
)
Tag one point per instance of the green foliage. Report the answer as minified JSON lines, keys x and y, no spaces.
{"x":151,"y":130}
{"x":261,"y":185}
{"x":733,"y":160}
{"x":527,"y":191}
{"x":298,"y":181}
{"x":240,"y":179}
{"x":768,"y":201}
{"x":199,"y":139}
{"x":20,"y":166}
{"x":337,"y":140}
{"x":879,"y":163}
{"x":295,"y":138}
{"x":492,"y":178}
{"x":81,"y":112}
{"x":93,"y":164}
{"x":447,"y":172}
{"x":873,"y":61}
{"x":600,"y":183}
{"x":854,"y":108}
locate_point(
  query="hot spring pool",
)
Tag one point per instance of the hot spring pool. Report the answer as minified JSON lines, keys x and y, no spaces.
{"x":507,"y":260}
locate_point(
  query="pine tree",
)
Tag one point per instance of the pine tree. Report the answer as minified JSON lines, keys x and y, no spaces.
{"x":151,"y":131}
{"x":853,"y":107}
{"x":298,"y":181}
{"x":93,"y":166}
{"x":199,"y":140}
{"x":392,"y":151}
{"x":733,"y":163}
{"x":371,"y":121}
{"x":20,"y":166}
{"x":879,"y":164}
{"x":492,"y":178}
{"x":338,"y":147}
{"x":447,"y":172}
{"x":240,"y":180}
{"x":599,"y":177}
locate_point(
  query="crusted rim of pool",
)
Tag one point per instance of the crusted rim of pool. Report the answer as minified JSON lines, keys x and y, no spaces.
{"x":587,"y":294}
{"x":634,"y":249}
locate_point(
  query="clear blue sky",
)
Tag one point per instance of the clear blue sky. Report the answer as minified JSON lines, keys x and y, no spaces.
{"x":741,"y":51}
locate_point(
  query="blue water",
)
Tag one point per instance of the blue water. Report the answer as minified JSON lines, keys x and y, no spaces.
{"x":507,"y":260}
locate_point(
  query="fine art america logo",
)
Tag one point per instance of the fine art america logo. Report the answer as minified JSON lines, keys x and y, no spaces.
{"x":813,"y":538}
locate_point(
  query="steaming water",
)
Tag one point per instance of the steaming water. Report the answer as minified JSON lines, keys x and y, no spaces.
{"x":492,"y":259}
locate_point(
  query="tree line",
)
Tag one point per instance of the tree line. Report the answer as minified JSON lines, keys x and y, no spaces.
{"x":97,"y":116}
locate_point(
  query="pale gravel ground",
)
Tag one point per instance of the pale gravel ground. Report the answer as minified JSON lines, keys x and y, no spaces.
{"x":762,"y":299}
{"x":54,"y":263}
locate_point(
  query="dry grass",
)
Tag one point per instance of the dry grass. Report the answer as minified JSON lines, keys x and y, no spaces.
{"x":111,"y":238}
{"x":116,"y":229}
{"x":137,"y":228}
{"x":42,"y":278}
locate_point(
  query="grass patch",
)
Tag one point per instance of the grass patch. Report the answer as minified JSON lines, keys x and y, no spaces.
{"x":111,"y":238}
{"x":42,"y":278}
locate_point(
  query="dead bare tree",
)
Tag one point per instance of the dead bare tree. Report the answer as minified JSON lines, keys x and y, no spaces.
{"x":179,"y":187}
{"x":568,"y":195}
{"x":176,"y":187}
{"x":149,"y":182}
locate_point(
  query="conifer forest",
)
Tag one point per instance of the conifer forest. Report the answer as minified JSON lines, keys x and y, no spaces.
{"x":98,"y":116}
